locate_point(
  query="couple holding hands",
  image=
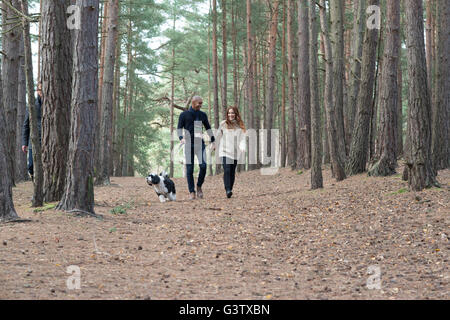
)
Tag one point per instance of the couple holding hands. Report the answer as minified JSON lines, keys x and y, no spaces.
{"x":230,"y":137}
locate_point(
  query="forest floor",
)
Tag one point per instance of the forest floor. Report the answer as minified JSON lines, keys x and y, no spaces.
{"x":274,"y":239}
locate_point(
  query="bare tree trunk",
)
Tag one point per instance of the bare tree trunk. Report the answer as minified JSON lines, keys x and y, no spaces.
{"x":400,"y":106}
{"x":356,"y":56}
{"x":38,"y":194}
{"x":336,"y":161}
{"x":79,"y":190}
{"x":441,"y":114}
{"x":235,"y":56}
{"x":215,"y":77}
{"x":7,"y":210}
{"x":337,"y":43}
{"x":421,"y":174}
{"x":103,"y":176}
{"x":21,"y":157}
{"x":316,"y":135}
{"x":11,"y":39}
{"x":250,"y":83}
{"x":292,"y":141}
{"x":56,"y":71}
{"x":116,"y":104}
{"x":271,"y":81}
{"x":304,"y":94}
{"x":224,"y":59}
{"x":357,"y":159}
{"x":283,"y":90}
{"x":387,"y":133}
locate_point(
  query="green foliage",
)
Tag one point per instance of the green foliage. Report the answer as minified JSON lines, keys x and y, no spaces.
{"x":122,"y":209}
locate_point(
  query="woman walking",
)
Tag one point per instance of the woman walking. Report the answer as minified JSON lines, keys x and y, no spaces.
{"x":231,"y":137}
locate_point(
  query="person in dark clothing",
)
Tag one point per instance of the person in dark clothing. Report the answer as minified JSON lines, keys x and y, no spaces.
{"x":26,"y":130}
{"x":190,"y":132}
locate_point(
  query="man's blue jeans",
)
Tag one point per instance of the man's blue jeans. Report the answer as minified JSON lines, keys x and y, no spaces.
{"x":199,"y":152}
{"x":30,"y":160}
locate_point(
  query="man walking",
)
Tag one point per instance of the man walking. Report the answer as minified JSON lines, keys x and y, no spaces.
{"x":26,"y":130}
{"x":190,"y":132}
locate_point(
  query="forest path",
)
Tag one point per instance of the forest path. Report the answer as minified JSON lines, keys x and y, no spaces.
{"x":274,"y":239}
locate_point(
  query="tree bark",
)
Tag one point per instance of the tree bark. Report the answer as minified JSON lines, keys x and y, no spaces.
{"x":38,"y":194}
{"x":356,"y":56}
{"x":421,"y":174}
{"x":79,"y":189}
{"x":292,"y":140}
{"x":250,"y":85}
{"x":387,"y":133}
{"x":283,"y":90}
{"x":441,"y":114}
{"x":215,"y":76}
{"x":304,"y":94}
{"x":103,"y":177}
{"x":56,"y":71}
{"x":11,"y":38}
{"x":316,"y":135}
{"x":337,"y":43}
{"x":224,"y":59}
{"x":271,"y":81}
{"x":7,"y":210}
{"x":357,"y":159}
{"x":336,"y":161}
{"x":21,"y":157}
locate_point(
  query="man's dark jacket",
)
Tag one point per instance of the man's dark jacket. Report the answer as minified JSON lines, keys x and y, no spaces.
{"x":186,"y":121}
{"x":26,"y":123}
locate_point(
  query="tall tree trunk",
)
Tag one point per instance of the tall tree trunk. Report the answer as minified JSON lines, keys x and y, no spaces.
{"x":326,"y":143}
{"x":316,"y":136}
{"x":421,"y":174}
{"x":387,"y":133}
{"x":21,"y":157}
{"x":336,"y":160}
{"x":103,"y":177}
{"x":356,"y":55}
{"x":235,"y":56}
{"x":337,"y":43}
{"x":357,"y":159}
{"x":283,"y":90}
{"x":271,"y":82}
{"x":400,"y":105}
{"x":224,"y":59}
{"x":38,"y":195}
{"x":79,"y":190}
{"x":292,"y":140}
{"x":56,"y":71}
{"x":215,"y":76}
{"x":116,"y":104}
{"x":11,"y":39}
{"x":304,"y":94}
{"x":441,"y":114}
{"x":7,"y":210}
{"x":250,"y":86}
{"x":429,"y":42}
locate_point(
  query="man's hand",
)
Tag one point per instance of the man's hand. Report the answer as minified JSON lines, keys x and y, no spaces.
{"x":182,"y":141}
{"x":25,"y":149}
{"x":213,"y":146}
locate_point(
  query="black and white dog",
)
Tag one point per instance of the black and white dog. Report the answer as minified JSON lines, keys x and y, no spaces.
{"x":163,"y":185}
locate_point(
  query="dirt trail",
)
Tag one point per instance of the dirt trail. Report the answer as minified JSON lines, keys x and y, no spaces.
{"x":275,"y":239}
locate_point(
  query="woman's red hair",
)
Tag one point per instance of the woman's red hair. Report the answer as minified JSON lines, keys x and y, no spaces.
{"x":238,"y":118}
